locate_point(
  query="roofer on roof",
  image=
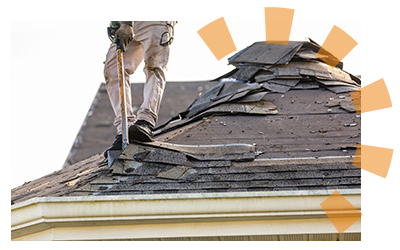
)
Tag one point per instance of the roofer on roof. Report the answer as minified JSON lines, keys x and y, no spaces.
{"x":148,"y":40}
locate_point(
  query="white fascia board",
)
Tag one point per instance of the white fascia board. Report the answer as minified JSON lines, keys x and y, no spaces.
{"x":40,"y":214}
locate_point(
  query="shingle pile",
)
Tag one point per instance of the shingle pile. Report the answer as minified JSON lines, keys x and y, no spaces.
{"x":227,"y":97}
{"x":279,"y":68}
{"x":266,"y":68}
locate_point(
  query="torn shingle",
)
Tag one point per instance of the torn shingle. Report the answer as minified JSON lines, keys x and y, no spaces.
{"x":306,"y":85}
{"x":161,"y":156}
{"x":276,"y":87}
{"x":245,"y":73}
{"x":263,"y":53}
{"x":253,"y":97}
{"x":235,"y":152}
{"x":179,"y":172}
{"x":173,"y":174}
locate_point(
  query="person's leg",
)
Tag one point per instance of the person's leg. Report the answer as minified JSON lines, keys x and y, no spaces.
{"x":156,"y":59}
{"x":133,"y":56}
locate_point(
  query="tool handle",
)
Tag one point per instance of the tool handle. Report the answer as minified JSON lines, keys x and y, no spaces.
{"x":121,"y":79}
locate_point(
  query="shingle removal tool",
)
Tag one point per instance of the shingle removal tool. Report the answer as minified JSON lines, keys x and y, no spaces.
{"x":114,"y":26}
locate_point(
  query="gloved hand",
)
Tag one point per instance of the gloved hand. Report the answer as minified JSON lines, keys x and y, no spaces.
{"x":125,"y":34}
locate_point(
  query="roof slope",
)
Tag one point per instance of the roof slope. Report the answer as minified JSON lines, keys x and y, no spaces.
{"x":307,"y":123}
{"x":300,"y":148}
{"x":289,"y":125}
{"x":97,"y":132}
{"x":129,"y":177}
{"x":61,"y":181}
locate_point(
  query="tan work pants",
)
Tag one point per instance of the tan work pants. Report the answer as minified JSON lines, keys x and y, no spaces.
{"x":146,"y":45}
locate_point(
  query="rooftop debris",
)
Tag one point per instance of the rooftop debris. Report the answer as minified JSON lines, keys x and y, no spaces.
{"x":179,"y":172}
{"x":345,"y":102}
{"x":132,"y":175}
{"x":234,"y":152}
{"x":280,"y":68}
{"x":262,"y":69}
{"x":227,"y":97}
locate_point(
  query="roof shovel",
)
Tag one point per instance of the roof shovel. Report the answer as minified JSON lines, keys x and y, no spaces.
{"x":113,"y":155}
{"x":121,"y":79}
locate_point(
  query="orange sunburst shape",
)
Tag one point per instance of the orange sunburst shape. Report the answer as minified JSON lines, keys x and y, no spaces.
{"x":278,"y":24}
{"x":336,"y":47}
{"x":376,"y":160}
{"x":340,"y":211}
{"x":218,"y":39}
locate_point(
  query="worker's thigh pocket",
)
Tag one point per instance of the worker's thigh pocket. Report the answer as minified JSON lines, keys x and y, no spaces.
{"x":167,"y":36}
{"x":156,"y":45}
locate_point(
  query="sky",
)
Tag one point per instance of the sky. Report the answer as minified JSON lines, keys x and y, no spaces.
{"x":57,"y":68}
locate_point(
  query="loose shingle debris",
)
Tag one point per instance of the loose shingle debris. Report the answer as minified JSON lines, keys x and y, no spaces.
{"x":345,"y":102}
{"x":172,"y":161}
{"x":130,"y":174}
{"x":262,"y":69}
{"x":179,"y":172}
{"x":227,"y":97}
{"x":161,"y":156}
{"x":280,"y":68}
{"x":234,"y":152}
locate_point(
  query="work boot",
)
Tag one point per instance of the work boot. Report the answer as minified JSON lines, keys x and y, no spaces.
{"x":117,"y":145}
{"x":141,"y":131}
